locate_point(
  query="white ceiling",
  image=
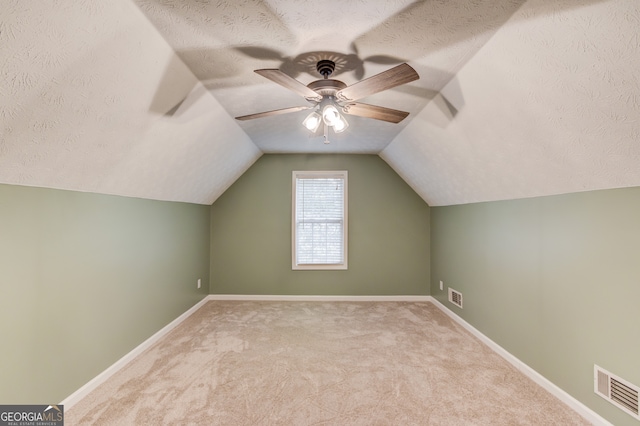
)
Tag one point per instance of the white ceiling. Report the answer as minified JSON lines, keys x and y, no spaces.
{"x":137,"y":97}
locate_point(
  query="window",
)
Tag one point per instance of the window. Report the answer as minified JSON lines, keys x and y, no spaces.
{"x":319,"y":220}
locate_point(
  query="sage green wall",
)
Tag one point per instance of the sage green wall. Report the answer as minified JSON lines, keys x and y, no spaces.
{"x":388,"y":232}
{"x":554,"y":280}
{"x":85,"y":278}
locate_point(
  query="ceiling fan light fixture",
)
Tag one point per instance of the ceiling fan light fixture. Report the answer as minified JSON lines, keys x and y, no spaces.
{"x":312,"y":122}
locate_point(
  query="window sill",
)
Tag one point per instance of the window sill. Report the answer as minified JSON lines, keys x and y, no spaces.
{"x":320,"y":267}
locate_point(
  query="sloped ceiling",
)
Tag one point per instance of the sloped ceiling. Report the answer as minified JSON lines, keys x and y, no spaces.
{"x":138,"y":97}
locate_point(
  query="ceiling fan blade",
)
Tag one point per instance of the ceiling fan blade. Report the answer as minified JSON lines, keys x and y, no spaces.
{"x":393,"y":77}
{"x":273,"y":112}
{"x":290,"y":83}
{"x":375,"y":112}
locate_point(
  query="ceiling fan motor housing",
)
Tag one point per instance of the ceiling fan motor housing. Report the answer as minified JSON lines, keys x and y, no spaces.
{"x":326,"y":87}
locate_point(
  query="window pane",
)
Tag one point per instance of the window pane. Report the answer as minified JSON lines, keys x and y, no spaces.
{"x":319,"y":243}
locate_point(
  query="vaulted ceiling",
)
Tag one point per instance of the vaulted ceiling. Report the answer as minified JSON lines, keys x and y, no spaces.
{"x":516,"y":98}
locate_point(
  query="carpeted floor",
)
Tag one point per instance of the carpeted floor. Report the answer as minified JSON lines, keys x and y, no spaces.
{"x":320,"y":363}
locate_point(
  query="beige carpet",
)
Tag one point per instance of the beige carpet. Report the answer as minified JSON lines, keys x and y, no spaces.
{"x":320,"y":363}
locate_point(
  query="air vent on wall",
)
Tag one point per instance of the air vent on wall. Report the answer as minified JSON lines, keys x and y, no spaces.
{"x":617,"y":391}
{"x":455,"y":297}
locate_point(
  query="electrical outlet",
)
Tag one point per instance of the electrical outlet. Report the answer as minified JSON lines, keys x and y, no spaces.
{"x":199,"y":282}
{"x":441,"y":285}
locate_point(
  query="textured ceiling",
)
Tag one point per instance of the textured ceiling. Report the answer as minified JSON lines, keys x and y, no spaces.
{"x":515,"y":98}
{"x":81,"y":109}
{"x":551,"y":105}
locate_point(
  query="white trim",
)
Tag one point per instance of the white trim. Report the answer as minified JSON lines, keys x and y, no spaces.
{"x":319,"y":298}
{"x":75,"y":397}
{"x":552,"y":388}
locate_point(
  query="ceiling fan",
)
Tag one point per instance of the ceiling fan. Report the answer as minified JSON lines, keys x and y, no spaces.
{"x":329,"y":97}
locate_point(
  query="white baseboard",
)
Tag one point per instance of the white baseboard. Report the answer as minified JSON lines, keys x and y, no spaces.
{"x":563,"y":396}
{"x":72,"y":399}
{"x":319,"y":298}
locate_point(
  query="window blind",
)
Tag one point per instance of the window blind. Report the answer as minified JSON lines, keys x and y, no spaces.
{"x":319,"y":220}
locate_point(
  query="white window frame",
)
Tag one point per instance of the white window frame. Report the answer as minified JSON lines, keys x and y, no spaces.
{"x":340,"y":174}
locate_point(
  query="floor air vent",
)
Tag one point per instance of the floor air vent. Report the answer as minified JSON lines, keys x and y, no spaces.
{"x":617,"y":391}
{"x":455,"y":297}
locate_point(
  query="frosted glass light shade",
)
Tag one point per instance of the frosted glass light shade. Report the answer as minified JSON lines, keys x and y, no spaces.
{"x":312,"y":122}
{"x":330,"y":115}
{"x":340,"y":125}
